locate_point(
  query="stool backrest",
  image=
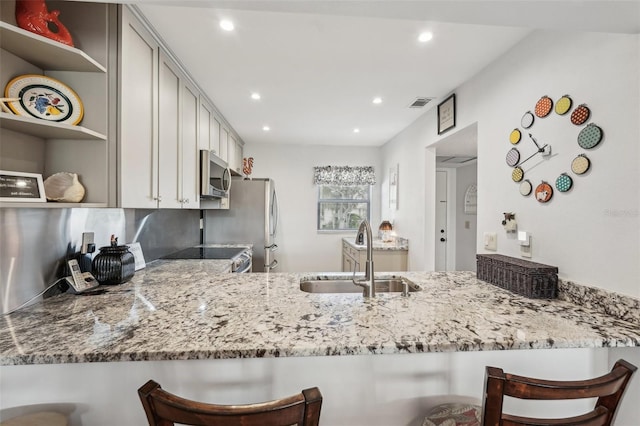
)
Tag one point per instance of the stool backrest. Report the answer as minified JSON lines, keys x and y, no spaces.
{"x":608,"y":389}
{"x":165,"y":409}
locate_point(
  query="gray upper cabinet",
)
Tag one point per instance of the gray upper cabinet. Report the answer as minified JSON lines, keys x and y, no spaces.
{"x":34,"y":145}
{"x":138,"y":111}
{"x":158,"y":137}
{"x":169,"y":134}
{"x":190,"y":161}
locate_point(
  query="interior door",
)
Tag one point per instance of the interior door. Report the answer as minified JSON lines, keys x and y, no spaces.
{"x":441,"y":221}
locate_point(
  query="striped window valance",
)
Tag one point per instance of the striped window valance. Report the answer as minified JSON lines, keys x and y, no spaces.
{"x":344,"y":175}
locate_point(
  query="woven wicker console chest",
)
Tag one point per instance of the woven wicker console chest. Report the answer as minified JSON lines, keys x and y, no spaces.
{"x":529,"y":279}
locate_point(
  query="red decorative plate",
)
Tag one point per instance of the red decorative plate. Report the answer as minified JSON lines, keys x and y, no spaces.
{"x":543,"y":106}
{"x":544,"y":192}
{"x":580,"y":115}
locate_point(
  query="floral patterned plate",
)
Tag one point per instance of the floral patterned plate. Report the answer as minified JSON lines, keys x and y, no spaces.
{"x":45,"y":98}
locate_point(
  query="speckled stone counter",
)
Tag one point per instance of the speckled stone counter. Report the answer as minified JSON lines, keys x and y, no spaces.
{"x":189,"y":310}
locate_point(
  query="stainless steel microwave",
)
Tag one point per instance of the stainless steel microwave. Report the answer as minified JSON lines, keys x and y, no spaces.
{"x":215,"y":176}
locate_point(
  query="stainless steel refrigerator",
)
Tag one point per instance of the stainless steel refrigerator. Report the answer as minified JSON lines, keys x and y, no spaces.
{"x":252,"y":217}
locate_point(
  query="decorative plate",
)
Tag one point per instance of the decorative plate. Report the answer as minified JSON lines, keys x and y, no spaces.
{"x":580,"y":115}
{"x":515,"y":136}
{"x":544,"y":192}
{"x":590,"y":136}
{"x":517,"y":174}
{"x":527,"y":120}
{"x":45,"y":98}
{"x":543,"y":106}
{"x":564,"y":182}
{"x":580,"y":164}
{"x":526,"y":187}
{"x":513,"y":157}
{"x":563,"y":105}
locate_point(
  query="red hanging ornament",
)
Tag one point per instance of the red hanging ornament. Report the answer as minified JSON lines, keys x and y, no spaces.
{"x":32,"y":15}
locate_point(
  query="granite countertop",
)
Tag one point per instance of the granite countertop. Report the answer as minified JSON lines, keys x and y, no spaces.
{"x":398,"y":244}
{"x":187,"y":309}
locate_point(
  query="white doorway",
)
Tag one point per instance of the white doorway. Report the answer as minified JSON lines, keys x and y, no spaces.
{"x":441,"y":235}
{"x":455,"y":229}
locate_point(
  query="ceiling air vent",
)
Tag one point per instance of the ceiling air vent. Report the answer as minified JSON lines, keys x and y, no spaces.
{"x":420,"y":102}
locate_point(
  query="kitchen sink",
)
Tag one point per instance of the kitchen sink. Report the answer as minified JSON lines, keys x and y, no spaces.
{"x":383,"y":285}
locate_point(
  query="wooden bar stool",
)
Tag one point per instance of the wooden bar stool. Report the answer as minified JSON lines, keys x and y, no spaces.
{"x":165,"y":409}
{"x":498,"y":384}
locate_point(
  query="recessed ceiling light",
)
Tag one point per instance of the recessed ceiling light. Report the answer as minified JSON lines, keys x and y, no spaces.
{"x":227,"y":25}
{"x":425,"y":37}
{"x":255,"y":96}
{"x":377,"y":100}
{"x":356,"y":130}
{"x":266,"y":128}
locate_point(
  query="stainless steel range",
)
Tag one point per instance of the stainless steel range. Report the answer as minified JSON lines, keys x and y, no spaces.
{"x":241,"y":257}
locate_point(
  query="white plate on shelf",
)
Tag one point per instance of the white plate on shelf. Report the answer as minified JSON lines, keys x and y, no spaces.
{"x":45,"y":98}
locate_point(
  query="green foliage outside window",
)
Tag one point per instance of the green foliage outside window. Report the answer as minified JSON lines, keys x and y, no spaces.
{"x":342,"y":207}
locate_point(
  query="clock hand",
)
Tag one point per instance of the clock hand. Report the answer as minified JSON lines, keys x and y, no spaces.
{"x":535,"y":141}
{"x":533,"y":155}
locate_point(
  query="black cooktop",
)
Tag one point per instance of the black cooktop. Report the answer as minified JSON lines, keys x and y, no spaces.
{"x":206,"y":253}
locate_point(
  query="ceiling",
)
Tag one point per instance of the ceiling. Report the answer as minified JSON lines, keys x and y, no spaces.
{"x":318,"y":64}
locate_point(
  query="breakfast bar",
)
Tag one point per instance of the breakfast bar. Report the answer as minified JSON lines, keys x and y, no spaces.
{"x":259,"y":334}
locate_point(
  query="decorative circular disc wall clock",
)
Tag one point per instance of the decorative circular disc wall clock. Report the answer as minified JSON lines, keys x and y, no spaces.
{"x":520,"y":153}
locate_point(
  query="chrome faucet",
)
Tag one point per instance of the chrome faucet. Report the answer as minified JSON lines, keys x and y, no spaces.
{"x":367,"y":283}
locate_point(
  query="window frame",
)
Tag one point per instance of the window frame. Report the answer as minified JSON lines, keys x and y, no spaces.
{"x":320,"y":201}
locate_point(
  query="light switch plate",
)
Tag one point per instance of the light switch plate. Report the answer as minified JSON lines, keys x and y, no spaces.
{"x":490,"y":241}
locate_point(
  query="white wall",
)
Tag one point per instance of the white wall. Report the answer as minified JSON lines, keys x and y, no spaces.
{"x":416,"y":180}
{"x":301,"y":246}
{"x":592,"y":233}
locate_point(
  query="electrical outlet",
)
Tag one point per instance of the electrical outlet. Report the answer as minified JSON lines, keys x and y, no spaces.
{"x":87,"y":242}
{"x":490,"y":241}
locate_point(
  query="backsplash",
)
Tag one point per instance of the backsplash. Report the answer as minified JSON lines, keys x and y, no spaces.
{"x":36,"y":241}
{"x":623,"y":307}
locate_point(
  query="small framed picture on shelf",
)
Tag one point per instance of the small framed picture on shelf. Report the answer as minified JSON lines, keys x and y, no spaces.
{"x":447,"y":114}
{"x":21,"y":187}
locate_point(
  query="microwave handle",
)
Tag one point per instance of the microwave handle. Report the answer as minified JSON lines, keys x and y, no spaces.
{"x":227,"y":171}
{"x":205,"y":172}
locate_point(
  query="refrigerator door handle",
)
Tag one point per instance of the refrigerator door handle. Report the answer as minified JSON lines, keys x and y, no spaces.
{"x":274,"y":213}
{"x":272,"y":247}
{"x":272,"y":265}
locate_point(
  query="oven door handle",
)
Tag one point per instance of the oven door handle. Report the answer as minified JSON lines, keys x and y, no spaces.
{"x":246,"y":269}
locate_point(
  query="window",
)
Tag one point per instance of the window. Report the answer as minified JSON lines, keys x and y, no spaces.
{"x":342,"y":207}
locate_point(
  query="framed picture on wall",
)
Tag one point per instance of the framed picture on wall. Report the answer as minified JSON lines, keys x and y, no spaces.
{"x":447,"y":114}
{"x":21,"y":187}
